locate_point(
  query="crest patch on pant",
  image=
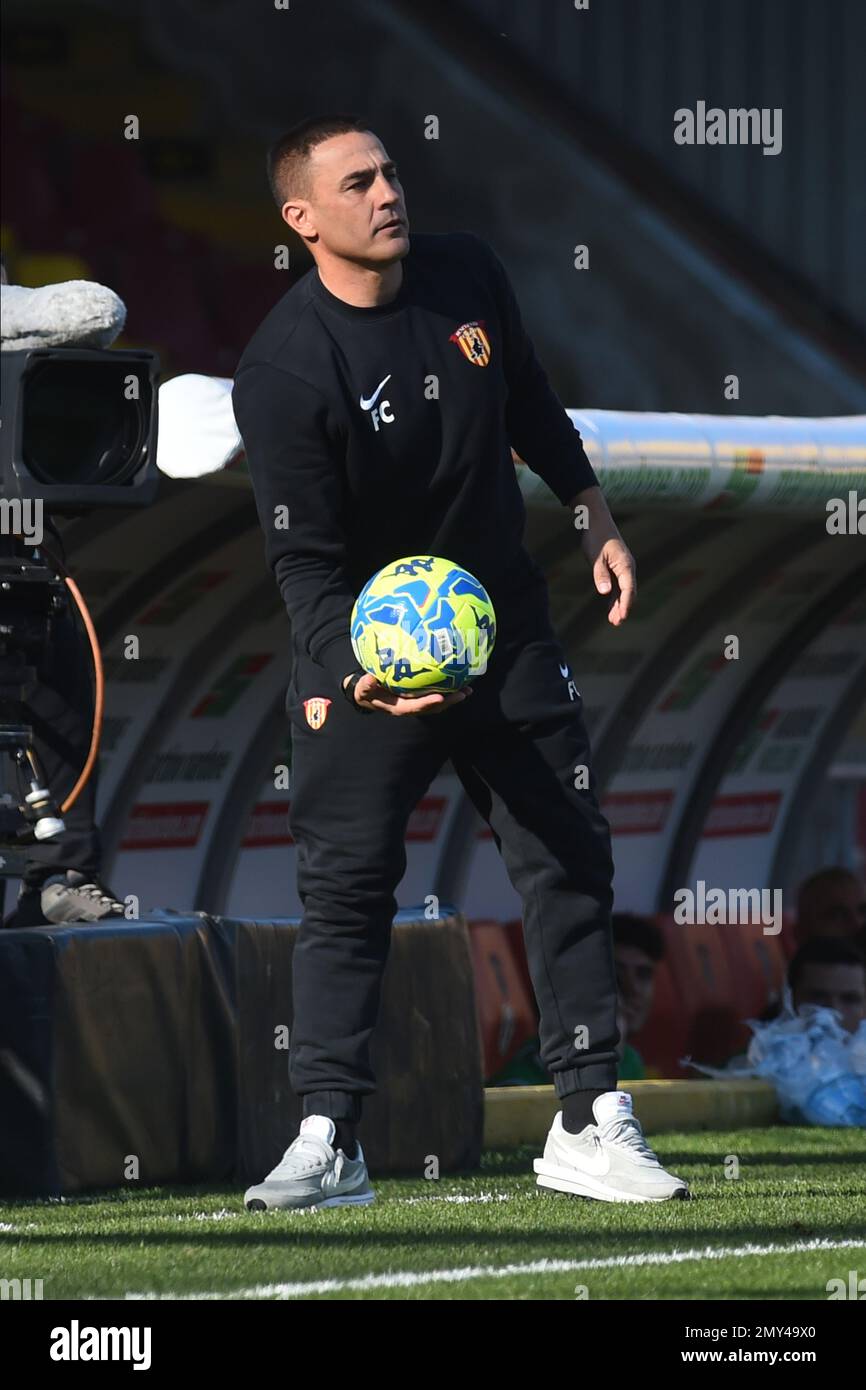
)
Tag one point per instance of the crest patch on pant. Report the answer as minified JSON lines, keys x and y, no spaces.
{"x":316,"y":710}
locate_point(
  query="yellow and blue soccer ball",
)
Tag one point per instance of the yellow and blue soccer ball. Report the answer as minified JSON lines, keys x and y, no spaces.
{"x":423,"y":624}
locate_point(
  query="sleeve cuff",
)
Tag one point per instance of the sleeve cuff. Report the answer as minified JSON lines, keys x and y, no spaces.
{"x":566,"y":482}
{"x":338,"y":658}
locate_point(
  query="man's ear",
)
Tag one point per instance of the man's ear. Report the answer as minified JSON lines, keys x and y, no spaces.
{"x":298,"y":218}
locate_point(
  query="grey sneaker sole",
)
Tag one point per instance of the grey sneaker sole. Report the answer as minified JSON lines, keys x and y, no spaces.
{"x":563,"y":1180}
{"x":352,"y":1199}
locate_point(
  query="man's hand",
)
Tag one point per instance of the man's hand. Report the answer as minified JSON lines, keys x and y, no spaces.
{"x":609,"y":557}
{"x":614,"y":559}
{"x":371,"y":694}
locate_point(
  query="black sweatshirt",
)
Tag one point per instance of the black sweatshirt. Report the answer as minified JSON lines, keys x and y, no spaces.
{"x":373,"y":434}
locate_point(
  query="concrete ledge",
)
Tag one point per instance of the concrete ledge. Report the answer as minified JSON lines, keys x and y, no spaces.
{"x":522,"y":1114}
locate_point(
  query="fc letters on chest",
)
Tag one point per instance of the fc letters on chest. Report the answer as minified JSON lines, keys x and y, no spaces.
{"x":447,"y":381}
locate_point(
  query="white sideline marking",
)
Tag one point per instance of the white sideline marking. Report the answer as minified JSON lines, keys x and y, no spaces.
{"x":459,"y":1198}
{"x":222,"y":1215}
{"x":411,"y":1279}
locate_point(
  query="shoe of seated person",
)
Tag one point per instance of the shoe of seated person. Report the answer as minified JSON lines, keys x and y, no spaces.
{"x":74,"y":896}
{"x":27,"y":911}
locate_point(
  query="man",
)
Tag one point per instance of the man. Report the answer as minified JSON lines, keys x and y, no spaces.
{"x":638,"y":948}
{"x":831,"y":972}
{"x":378,"y":402}
{"x":831,"y":902}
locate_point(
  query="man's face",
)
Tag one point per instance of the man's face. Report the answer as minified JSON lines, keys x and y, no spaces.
{"x":841,"y":987}
{"x":356,"y":207}
{"x":838,"y":909}
{"x":635,"y":974}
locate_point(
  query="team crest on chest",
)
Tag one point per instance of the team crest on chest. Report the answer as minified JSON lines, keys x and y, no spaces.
{"x":316,"y":711}
{"x":473,"y":342}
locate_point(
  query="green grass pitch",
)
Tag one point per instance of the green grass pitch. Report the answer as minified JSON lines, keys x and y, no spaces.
{"x":793,"y":1218}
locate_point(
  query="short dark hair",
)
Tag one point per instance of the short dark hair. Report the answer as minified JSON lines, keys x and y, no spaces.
{"x":824,"y":950}
{"x":289,"y":155}
{"x":832,"y":877}
{"x":631,"y":930}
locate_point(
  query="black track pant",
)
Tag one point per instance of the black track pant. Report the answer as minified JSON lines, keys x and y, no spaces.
{"x":518,"y":745}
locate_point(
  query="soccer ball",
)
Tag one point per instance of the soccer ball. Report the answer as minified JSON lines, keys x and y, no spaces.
{"x":423,"y":624}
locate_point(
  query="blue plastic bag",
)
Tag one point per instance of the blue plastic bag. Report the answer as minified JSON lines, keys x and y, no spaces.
{"x":817,"y":1068}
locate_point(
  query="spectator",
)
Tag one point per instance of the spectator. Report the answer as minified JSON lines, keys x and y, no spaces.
{"x":830,"y":971}
{"x":638,"y":946}
{"x":831,"y":902}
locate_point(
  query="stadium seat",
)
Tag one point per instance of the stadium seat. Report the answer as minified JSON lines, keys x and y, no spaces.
{"x":696,"y":1011}
{"x":514,"y":931}
{"x":164,"y":290}
{"x":506,"y":1018}
{"x":758,"y":963}
{"x":95,"y":167}
{"x":662,"y":1040}
{"x":140,"y":240}
{"x":49,"y":268}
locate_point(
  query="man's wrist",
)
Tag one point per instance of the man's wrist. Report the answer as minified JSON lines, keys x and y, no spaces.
{"x":348,"y":684}
{"x":599,"y":525}
{"x":593,"y":499}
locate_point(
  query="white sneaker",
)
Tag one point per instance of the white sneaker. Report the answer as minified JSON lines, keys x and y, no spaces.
{"x":609,"y":1160}
{"x":311,"y":1174}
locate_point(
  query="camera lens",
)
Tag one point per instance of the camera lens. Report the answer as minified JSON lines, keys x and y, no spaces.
{"x":84,"y":422}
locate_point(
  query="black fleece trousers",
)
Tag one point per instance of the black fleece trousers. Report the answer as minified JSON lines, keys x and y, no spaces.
{"x":520,"y":748}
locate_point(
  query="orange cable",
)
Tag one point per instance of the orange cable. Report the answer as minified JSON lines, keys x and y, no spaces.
{"x":99,"y":696}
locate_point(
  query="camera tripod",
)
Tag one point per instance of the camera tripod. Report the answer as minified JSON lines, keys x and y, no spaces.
{"x":29,"y":594}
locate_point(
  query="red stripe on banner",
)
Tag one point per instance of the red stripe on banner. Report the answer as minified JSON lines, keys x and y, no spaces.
{"x":165,"y":825}
{"x":752,"y":813}
{"x":268,"y":826}
{"x":426,"y":819}
{"x":637,"y":813}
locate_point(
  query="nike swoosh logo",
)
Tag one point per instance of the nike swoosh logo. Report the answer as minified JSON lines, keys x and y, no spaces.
{"x":563,"y":671}
{"x":371,"y":401}
{"x":598,"y":1166}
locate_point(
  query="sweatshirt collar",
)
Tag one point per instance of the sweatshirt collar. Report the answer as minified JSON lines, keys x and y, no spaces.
{"x":369,"y":313}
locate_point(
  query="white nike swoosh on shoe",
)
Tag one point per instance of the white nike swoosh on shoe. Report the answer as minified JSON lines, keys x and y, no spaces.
{"x":371,"y":400}
{"x":598,"y":1165}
